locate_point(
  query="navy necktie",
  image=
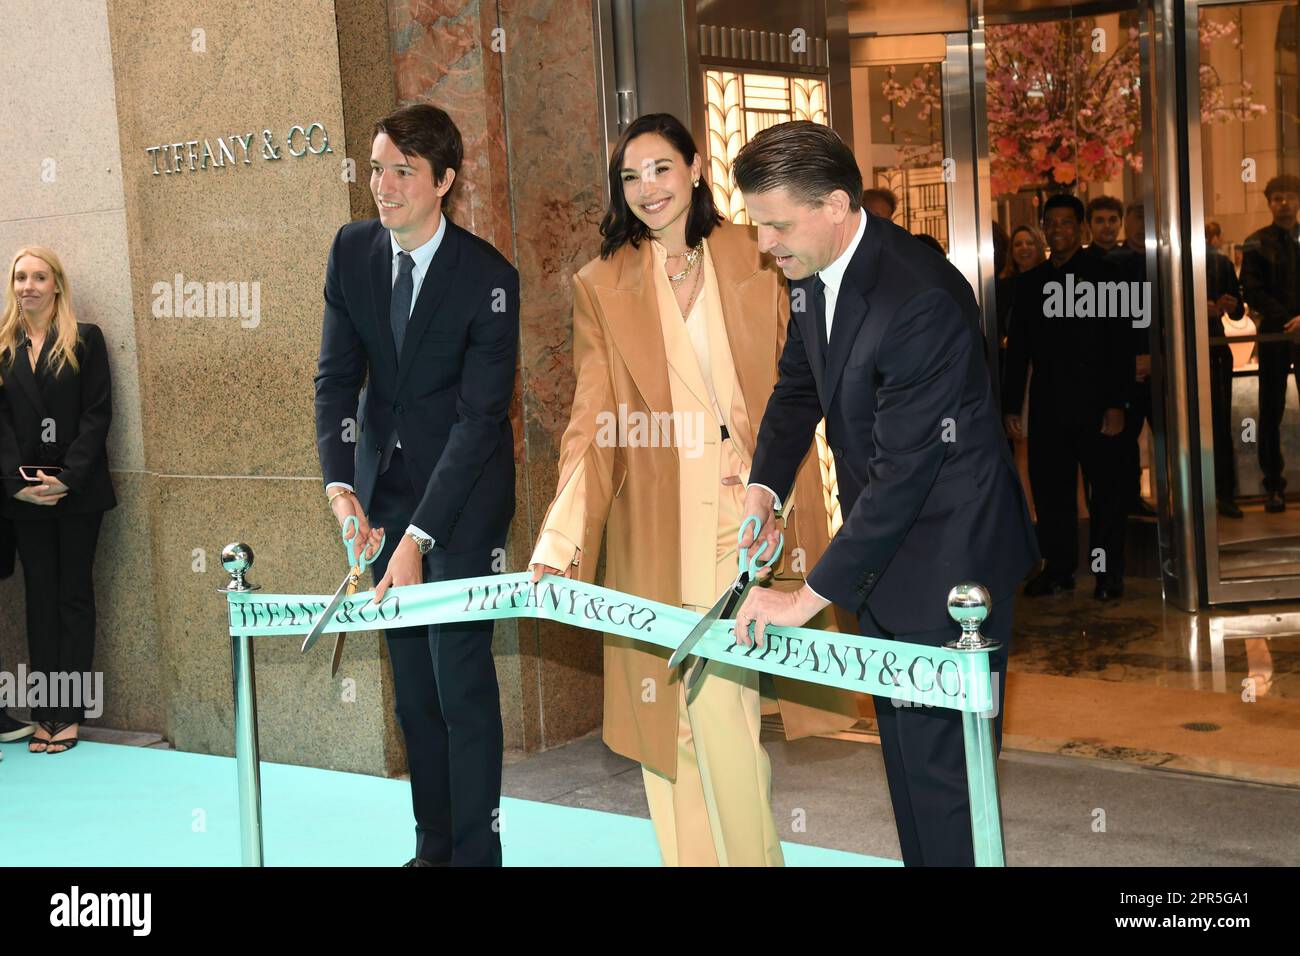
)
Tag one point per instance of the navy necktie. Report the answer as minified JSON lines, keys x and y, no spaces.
{"x":399,"y":313}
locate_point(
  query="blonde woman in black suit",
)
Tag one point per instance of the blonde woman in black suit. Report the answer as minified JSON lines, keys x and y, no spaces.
{"x":55,"y":412}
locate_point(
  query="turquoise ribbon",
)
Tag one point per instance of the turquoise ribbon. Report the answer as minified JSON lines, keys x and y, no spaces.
{"x":914,"y":673}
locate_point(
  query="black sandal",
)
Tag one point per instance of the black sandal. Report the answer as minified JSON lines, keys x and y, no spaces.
{"x":66,"y":744}
{"x":44,"y":744}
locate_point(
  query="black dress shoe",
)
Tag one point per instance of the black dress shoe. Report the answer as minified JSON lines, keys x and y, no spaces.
{"x":1275,"y":503}
{"x":1047,"y":583}
{"x":416,"y":861}
{"x":1108,"y":590}
{"x":1228,"y":508}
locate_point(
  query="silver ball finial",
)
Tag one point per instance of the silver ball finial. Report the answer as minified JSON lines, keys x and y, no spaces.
{"x":969,"y":605}
{"x":237,"y":559}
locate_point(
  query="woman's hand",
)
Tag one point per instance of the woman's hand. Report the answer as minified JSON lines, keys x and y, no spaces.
{"x":540,"y":569}
{"x":50,"y":491}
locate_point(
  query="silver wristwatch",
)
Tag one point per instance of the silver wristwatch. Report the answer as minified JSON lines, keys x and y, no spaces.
{"x":424,"y":544}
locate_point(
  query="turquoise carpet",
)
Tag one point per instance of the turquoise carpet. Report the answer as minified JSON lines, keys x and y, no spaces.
{"x":105,"y":805}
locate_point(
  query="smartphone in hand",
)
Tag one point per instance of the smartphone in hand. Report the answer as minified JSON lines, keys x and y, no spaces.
{"x":28,"y":472}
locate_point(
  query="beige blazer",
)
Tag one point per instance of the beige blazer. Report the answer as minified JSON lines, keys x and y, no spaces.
{"x":633,"y":492}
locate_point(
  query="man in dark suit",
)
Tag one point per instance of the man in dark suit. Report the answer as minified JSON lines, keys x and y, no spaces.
{"x":1129,"y":260}
{"x":1223,"y":300}
{"x":426,"y":314}
{"x":1078,"y":338}
{"x":1270,"y":280}
{"x":885,"y":344}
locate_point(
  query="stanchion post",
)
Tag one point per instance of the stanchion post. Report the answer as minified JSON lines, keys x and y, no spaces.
{"x":237,"y":559}
{"x":969,"y":605}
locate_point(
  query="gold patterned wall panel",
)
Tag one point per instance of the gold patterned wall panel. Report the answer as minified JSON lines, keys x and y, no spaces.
{"x":738,"y":106}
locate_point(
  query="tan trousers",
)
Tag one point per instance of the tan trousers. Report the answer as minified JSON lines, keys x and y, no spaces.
{"x":719,"y":810}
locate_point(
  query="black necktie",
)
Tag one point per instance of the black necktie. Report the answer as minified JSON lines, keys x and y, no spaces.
{"x":399,"y":312}
{"x":819,"y":308}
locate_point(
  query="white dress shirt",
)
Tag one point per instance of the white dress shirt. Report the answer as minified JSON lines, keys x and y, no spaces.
{"x":423,"y":257}
{"x":832,"y":277}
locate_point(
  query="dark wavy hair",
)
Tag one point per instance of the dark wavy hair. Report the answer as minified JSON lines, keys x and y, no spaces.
{"x":1286,"y":183}
{"x":620,"y":225}
{"x":424,"y":130}
{"x":1103,"y":202}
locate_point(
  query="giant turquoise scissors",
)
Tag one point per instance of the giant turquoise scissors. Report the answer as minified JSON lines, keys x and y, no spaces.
{"x":732,"y":598}
{"x":357,"y":563}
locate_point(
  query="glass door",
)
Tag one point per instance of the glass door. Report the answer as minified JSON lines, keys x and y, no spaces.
{"x":1063,"y":97}
{"x":1243,"y":275}
{"x":917,"y":122}
{"x":914,"y":137}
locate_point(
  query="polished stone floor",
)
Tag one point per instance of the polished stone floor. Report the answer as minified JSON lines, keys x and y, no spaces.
{"x":1138,"y":681}
{"x":1141,"y":639}
{"x":1056,"y":810}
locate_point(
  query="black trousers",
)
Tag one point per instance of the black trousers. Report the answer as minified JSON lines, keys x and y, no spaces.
{"x":925,"y":755}
{"x":1225,"y":461}
{"x":1057,"y":450}
{"x":447,"y":701}
{"x":58,"y":558}
{"x":1139,"y":411}
{"x":1277,"y":360}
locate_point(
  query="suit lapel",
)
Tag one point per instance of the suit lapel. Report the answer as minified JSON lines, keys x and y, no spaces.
{"x":744,"y":302}
{"x":21,"y":372}
{"x":850,"y":312}
{"x":631,"y":311}
{"x":851,"y":306}
{"x":381,"y":294}
{"x":433,"y":288}
{"x":806,"y":324}
{"x":679,"y":350}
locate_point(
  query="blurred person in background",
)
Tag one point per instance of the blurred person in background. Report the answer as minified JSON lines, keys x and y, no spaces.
{"x":1082,"y":370}
{"x":1105,"y":215}
{"x":880,"y":202}
{"x":1130,"y":261}
{"x":1270,"y":281}
{"x":1224,"y":294}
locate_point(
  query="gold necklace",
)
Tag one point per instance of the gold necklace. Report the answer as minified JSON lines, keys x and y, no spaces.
{"x":690,"y":304}
{"x":691,"y":256}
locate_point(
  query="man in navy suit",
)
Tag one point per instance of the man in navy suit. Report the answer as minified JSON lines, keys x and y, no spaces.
{"x":426,"y":316}
{"x":885,"y":344}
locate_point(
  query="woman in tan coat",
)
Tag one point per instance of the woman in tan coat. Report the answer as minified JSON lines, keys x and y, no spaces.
{"x":677,"y":329}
